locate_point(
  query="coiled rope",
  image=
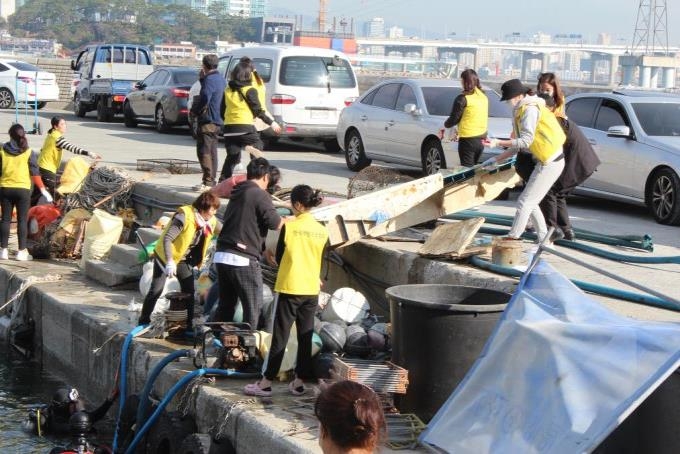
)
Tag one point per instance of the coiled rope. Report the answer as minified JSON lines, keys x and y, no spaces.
{"x":103,"y":184}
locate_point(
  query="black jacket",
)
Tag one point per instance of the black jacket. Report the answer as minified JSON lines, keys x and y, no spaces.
{"x":250,"y":214}
{"x":580,"y":158}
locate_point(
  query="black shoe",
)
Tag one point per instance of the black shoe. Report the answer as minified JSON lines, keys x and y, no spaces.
{"x":569,"y":234}
{"x":556,"y":236}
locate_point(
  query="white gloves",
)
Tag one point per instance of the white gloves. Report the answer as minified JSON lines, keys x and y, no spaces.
{"x":93,"y":155}
{"x":489,"y":163}
{"x":170,"y":269}
{"x":492,"y":143}
{"x":45,"y":193}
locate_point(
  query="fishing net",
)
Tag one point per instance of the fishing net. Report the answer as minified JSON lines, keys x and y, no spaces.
{"x":374,"y":178}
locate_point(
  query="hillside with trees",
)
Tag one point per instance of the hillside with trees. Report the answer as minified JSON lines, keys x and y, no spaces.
{"x":77,"y":23}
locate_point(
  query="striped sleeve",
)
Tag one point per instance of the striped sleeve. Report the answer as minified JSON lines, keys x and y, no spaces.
{"x":65,"y":145}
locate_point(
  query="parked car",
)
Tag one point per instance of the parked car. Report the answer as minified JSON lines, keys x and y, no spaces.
{"x":307,"y":88}
{"x":636,"y":135}
{"x":161,"y":98}
{"x":22,"y":82}
{"x":398,"y":121}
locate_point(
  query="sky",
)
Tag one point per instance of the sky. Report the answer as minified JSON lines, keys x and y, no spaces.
{"x":434,"y":19}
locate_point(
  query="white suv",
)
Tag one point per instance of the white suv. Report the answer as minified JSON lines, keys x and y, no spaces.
{"x":636,"y":135}
{"x":307,"y":88}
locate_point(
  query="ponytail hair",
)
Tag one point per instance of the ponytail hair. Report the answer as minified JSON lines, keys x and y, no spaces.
{"x":18,"y":134}
{"x":351,"y":415}
{"x":54,"y":122}
{"x":306,"y":196}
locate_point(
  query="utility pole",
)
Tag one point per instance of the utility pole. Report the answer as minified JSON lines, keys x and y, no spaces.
{"x":651,"y":29}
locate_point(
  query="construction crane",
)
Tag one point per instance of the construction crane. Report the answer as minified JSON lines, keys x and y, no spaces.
{"x":323,"y":10}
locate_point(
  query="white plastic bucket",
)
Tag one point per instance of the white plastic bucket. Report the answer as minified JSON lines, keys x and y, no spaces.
{"x":346,"y":304}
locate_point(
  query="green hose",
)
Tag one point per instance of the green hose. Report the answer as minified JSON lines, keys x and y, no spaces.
{"x":598,"y":289}
{"x":643,"y":242}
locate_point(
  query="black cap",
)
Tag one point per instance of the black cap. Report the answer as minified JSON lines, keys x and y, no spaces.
{"x":512,"y":88}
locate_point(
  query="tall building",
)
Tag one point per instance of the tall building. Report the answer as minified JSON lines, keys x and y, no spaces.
{"x":395,"y":32}
{"x":375,"y":28}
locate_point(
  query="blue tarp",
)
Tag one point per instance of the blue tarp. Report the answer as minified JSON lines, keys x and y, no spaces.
{"x":559,"y":373}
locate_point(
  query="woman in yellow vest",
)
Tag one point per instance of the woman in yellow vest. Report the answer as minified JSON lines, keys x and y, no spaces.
{"x":470,"y":113}
{"x":180,"y":248}
{"x":535,"y":129}
{"x":51,"y":155}
{"x":241,"y":106}
{"x":18,"y":169}
{"x":549,"y":84}
{"x":299,"y":253}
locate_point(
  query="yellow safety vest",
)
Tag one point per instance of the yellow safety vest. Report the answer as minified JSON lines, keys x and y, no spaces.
{"x":548,"y":137}
{"x":180,"y":245}
{"x":238,"y":112}
{"x":475,"y":119}
{"x":50,"y":155}
{"x":15,"y":170}
{"x":300,"y":268}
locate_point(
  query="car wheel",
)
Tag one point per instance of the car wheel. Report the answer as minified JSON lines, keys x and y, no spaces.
{"x":332,"y":146}
{"x":103,"y":111}
{"x":663,"y":197}
{"x":6,"y":99}
{"x":433,"y":159}
{"x":41,"y":105}
{"x":355,"y":157}
{"x":129,"y":116}
{"x":161,"y":121}
{"x":78,"y":107}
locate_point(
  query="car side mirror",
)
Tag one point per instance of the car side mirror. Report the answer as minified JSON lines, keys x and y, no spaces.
{"x":139,"y":85}
{"x":73,"y":65}
{"x":619,"y":131}
{"x":412,"y":109}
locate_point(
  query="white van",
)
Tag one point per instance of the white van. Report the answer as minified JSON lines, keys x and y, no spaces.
{"x":307,"y":88}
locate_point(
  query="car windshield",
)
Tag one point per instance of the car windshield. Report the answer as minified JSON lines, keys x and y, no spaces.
{"x":23,"y":66}
{"x":439,"y":100}
{"x":659,"y":118}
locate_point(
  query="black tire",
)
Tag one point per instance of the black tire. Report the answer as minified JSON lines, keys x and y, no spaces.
{"x":41,"y":105}
{"x":129,"y":116}
{"x":332,"y":146}
{"x":355,"y":157}
{"x":162,"y":125}
{"x":166,"y":436}
{"x":6,"y":99}
{"x":432,"y":157}
{"x":663,"y":197}
{"x":78,"y":108}
{"x":103,"y":111}
{"x":196,"y":444}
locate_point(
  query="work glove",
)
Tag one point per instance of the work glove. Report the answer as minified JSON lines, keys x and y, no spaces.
{"x":45,"y":193}
{"x":93,"y":155}
{"x":170,"y":269}
{"x":489,"y":163}
{"x":491,"y":143}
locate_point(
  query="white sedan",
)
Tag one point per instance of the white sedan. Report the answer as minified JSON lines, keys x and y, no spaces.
{"x":398,"y":121}
{"x":22,"y":82}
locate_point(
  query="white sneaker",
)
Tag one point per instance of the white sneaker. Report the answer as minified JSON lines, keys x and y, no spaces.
{"x":201,"y":188}
{"x":4,"y":254}
{"x":23,"y":255}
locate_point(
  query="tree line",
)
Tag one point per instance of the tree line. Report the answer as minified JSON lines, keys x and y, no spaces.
{"x":77,"y":23}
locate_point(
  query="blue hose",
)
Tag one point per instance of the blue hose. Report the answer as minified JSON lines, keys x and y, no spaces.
{"x":122,"y":384}
{"x":592,"y":249}
{"x":144,"y":402}
{"x":171,"y":393}
{"x":598,"y":289}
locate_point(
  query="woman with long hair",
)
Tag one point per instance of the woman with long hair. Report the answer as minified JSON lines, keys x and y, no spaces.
{"x":18,"y":169}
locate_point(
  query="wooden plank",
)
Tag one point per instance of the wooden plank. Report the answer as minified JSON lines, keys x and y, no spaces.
{"x":451,"y":238}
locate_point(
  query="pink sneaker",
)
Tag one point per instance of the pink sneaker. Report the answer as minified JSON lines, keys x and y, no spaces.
{"x":253,"y":389}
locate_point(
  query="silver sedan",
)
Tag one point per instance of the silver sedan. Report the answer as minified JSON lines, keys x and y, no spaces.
{"x":398,"y":121}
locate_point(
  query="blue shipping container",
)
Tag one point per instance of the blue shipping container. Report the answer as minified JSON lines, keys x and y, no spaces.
{"x":337,"y":44}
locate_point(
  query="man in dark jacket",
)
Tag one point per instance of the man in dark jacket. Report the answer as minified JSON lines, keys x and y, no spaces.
{"x":207,"y":111}
{"x":580,"y":163}
{"x":250,"y":214}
